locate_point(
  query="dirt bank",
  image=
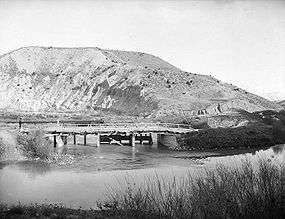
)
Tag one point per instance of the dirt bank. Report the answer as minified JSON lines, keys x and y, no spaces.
{"x":252,"y":136}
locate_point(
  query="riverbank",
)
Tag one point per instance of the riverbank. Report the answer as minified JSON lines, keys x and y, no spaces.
{"x":252,"y":136}
{"x":267,"y":128}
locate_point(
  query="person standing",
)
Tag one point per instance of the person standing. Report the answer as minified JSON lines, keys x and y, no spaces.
{"x":20,"y":123}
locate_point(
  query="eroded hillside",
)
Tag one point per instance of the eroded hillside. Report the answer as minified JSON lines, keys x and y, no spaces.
{"x":118,"y":82}
{"x":282,"y":103}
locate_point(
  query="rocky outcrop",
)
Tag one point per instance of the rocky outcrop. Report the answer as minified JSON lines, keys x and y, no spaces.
{"x":114,"y":82}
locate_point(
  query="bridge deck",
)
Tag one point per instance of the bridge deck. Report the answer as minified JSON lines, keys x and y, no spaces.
{"x":118,"y":128}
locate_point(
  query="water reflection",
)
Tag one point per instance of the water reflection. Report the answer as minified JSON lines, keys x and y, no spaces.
{"x":134,"y":150}
{"x":33,"y":168}
{"x":61,"y":150}
{"x":273,"y":154}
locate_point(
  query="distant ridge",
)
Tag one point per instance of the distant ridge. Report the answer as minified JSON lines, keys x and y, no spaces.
{"x":114,"y":82}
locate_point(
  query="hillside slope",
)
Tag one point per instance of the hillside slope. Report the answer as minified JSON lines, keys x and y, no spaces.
{"x":116,"y":82}
{"x":282,"y":103}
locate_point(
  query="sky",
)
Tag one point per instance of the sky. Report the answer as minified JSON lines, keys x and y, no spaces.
{"x":239,"y":42}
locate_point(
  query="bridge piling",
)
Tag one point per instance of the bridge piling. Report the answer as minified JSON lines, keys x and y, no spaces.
{"x":54,"y":141}
{"x":98,"y":140}
{"x":85,"y":140}
{"x":130,"y":140}
{"x":141,"y":140}
{"x":150,"y":139}
{"x":133,"y":140}
{"x":74,"y":139}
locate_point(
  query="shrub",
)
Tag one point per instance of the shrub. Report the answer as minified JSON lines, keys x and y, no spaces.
{"x":34,"y":145}
{"x":222,"y":192}
{"x":2,"y":148}
{"x":48,"y":211}
{"x":279,"y":132}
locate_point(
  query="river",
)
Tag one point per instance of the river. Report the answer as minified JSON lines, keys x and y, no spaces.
{"x":86,"y":173}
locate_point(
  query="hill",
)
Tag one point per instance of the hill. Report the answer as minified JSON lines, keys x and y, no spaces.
{"x":114,"y":82}
{"x":282,"y":103}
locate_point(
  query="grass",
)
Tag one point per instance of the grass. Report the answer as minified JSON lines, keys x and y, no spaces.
{"x":35,"y":145}
{"x":223,"y":192}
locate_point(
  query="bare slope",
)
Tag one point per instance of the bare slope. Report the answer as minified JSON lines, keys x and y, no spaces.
{"x":121,"y":82}
{"x":282,"y":103}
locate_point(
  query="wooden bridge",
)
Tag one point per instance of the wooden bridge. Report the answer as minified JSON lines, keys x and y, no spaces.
{"x":114,"y":132}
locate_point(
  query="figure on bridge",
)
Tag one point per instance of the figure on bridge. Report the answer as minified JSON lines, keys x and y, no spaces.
{"x":20,"y":123}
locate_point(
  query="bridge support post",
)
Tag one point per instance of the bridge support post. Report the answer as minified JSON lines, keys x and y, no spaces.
{"x":141,"y":140}
{"x":130,"y":140}
{"x":85,"y":135}
{"x":98,"y":140}
{"x":74,"y":139}
{"x":133,"y":139}
{"x":150,"y":139}
{"x":159,"y":140}
{"x":154,"y":140}
{"x":54,"y":141}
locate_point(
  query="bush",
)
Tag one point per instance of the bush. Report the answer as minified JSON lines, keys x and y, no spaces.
{"x":223,"y":192}
{"x":34,"y":145}
{"x":279,"y":131}
{"x":2,"y":148}
{"x":48,"y":211}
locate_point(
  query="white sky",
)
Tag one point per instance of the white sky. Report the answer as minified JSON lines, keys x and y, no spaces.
{"x":240,"y":42}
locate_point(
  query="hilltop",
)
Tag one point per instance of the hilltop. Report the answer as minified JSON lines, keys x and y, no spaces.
{"x":113,"y":82}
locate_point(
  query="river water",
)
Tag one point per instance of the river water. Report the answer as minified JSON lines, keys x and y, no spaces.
{"x":86,"y":173}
